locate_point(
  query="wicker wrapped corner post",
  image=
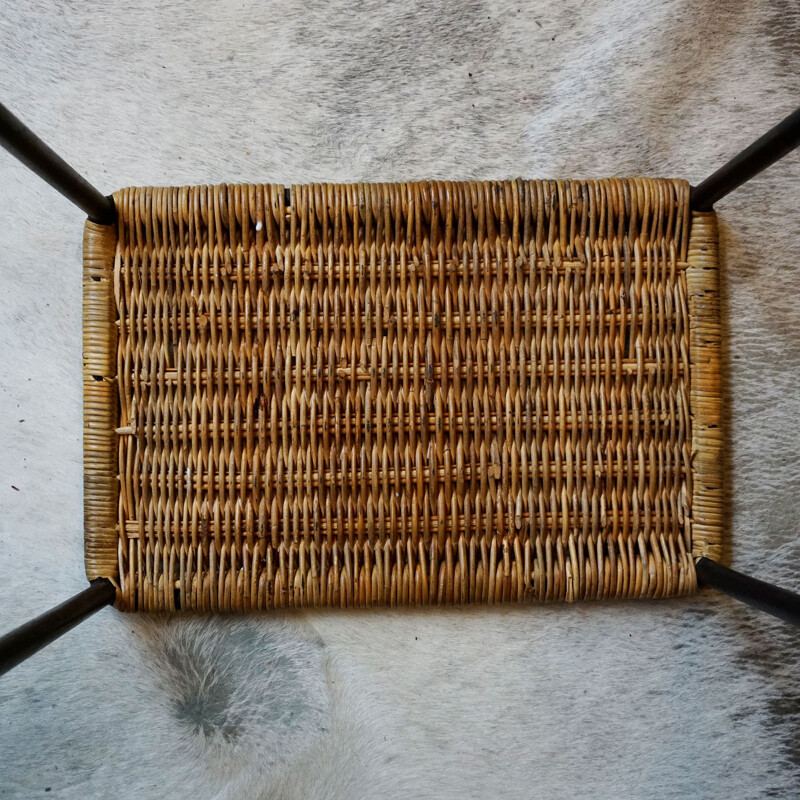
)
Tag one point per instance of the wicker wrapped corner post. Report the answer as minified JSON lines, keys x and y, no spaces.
{"x":400,"y":394}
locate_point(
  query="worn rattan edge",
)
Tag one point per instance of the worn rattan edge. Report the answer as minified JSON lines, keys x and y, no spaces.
{"x":702,"y":283}
{"x":100,"y":404}
{"x":146,"y":212}
{"x":487,"y":569}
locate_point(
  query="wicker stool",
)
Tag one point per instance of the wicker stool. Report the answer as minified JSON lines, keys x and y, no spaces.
{"x":400,"y":394}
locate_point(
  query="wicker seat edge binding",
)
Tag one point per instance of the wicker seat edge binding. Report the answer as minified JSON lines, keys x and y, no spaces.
{"x":395,"y":394}
{"x":390,"y":394}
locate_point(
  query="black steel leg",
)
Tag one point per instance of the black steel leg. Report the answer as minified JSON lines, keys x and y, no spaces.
{"x":773,"y":145}
{"x":24,"y":641}
{"x":36,"y":155}
{"x":779,"y":602}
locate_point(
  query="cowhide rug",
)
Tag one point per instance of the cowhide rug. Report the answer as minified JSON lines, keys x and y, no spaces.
{"x":696,"y":697}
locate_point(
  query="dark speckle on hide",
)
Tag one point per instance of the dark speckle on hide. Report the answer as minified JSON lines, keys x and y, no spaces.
{"x":248,"y":683}
{"x":782,"y":26}
{"x":785,"y":713}
{"x":772,"y":651}
{"x":203,"y":696}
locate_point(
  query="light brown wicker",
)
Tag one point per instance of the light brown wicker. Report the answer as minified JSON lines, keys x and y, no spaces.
{"x":397,"y":394}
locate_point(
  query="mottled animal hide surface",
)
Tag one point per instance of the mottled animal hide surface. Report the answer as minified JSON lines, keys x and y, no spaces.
{"x":695,"y":697}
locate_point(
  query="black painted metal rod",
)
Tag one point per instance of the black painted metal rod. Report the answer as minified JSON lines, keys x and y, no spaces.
{"x":764,"y":152}
{"x":764,"y":596}
{"x":23,"y":143}
{"x":31,"y":637}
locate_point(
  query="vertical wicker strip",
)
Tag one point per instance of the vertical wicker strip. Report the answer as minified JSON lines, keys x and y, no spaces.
{"x":702,"y":281}
{"x":392,"y":394}
{"x":100,"y":403}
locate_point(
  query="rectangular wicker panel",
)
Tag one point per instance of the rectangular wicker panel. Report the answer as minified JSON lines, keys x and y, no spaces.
{"x":397,"y":394}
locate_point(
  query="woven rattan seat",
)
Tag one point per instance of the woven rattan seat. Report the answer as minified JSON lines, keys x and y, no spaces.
{"x":393,"y":394}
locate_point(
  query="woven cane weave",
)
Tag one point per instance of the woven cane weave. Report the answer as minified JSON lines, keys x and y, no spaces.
{"x":418,"y":393}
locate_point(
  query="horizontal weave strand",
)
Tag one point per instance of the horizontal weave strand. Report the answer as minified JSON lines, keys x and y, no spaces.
{"x":403,"y":393}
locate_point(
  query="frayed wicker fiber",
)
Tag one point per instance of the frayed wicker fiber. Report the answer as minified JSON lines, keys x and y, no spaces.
{"x":401,"y":394}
